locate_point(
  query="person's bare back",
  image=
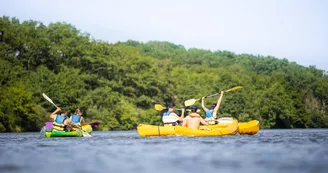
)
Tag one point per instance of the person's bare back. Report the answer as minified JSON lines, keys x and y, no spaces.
{"x":193,"y":121}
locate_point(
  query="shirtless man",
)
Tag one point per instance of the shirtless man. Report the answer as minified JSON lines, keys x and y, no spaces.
{"x":194,"y":119}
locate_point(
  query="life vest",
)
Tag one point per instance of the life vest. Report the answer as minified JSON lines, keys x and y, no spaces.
{"x":76,"y":119}
{"x":209,"y":113}
{"x":58,"y":124}
{"x":166,"y":114}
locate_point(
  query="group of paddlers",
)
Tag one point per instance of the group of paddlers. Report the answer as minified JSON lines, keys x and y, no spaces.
{"x":64,"y":123}
{"x":193,"y":120}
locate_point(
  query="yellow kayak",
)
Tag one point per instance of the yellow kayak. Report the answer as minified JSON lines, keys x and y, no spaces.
{"x":151,"y":130}
{"x":249,"y":128}
{"x":244,"y":128}
{"x":220,"y":130}
{"x":87,"y":128}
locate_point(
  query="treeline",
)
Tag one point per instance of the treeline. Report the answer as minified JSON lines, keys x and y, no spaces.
{"x":118,"y":84}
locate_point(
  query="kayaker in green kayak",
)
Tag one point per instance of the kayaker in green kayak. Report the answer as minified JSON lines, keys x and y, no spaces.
{"x":211,"y":113}
{"x":170,"y":118}
{"x":193,"y":120}
{"x":77,"y":118}
{"x":61,"y":121}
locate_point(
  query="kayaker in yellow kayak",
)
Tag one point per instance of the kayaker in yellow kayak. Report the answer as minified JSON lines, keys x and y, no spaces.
{"x":211,"y":113}
{"x":193,"y":120}
{"x":60,"y":120}
{"x":170,"y":118}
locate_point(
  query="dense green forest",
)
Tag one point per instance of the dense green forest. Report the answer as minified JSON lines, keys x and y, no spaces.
{"x":118,"y":84}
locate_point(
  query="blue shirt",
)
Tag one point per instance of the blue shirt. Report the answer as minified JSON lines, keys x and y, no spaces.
{"x":167,"y":113}
{"x":60,"y":119}
{"x":76,"y":118}
{"x":209,"y":113}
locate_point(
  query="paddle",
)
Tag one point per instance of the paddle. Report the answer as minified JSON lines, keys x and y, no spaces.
{"x":223,"y":120}
{"x":94,"y":123}
{"x":85,"y":134}
{"x":193,"y":101}
{"x":159,"y":107}
{"x":49,"y":100}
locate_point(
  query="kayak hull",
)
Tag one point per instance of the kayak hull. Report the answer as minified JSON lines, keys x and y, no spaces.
{"x":244,"y":128}
{"x":248,"y":128}
{"x":87,"y":128}
{"x":64,"y":134}
{"x":226,"y":129}
{"x":48,"y":132}
{"x":151,"y":130}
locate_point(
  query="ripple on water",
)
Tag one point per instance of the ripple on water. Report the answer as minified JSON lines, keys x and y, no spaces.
{"x":268,"y":151}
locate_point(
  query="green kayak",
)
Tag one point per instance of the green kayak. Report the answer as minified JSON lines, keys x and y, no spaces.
{"x":64,"y":134}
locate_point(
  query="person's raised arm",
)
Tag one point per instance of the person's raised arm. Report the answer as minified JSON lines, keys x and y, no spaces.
{"x":182,"y":113}
{"x":203,"y":105}
{"x":184,"y":123}
{"x":179,"y":118}
{"x":216,"y":109}
{"x":52,"y":115}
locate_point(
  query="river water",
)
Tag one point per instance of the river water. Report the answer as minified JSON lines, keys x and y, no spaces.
{"x":269,"y":151}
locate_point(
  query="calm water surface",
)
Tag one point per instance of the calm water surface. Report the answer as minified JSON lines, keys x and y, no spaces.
{"x":124,"y":151}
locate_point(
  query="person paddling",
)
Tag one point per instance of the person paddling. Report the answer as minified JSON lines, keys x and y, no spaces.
{"x":60,"y":120}
{"x":211,"y":113}
{"x":193,"y":120}
{"x":77,"y":118}
{"x":170,"y":118}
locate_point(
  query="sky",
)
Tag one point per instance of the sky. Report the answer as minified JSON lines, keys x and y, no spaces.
{"x":293,"y":29}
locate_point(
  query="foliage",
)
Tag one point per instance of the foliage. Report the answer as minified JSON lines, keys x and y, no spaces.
{"x":118,"y":84}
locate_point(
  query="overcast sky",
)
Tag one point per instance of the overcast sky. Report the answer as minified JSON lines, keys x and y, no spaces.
{"x":292,"y":29}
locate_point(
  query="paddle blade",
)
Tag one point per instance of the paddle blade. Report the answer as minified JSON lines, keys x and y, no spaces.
{"x":188,"y":110}
{"x":85,"y":134}
{"x":190,"y":102}
{"x":234,"y":88}
{"x":94,"y":123}
{"x":49,"y":100}
{"x":169,"y":119}
{"x":159,"y":107}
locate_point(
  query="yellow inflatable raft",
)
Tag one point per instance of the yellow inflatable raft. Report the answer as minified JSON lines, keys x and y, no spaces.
{"x":220,"y":130}
{"x":151,"y":130}
{"x":87,"y":128}
{"x":249,"y":128}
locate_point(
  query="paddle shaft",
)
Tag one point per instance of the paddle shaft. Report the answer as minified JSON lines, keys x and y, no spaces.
{"x":85,"y":134}
{"x":232,"y":89}
{"x":49,"y":99}
{"x":167,"y":108}
{"x":193,"y":101}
